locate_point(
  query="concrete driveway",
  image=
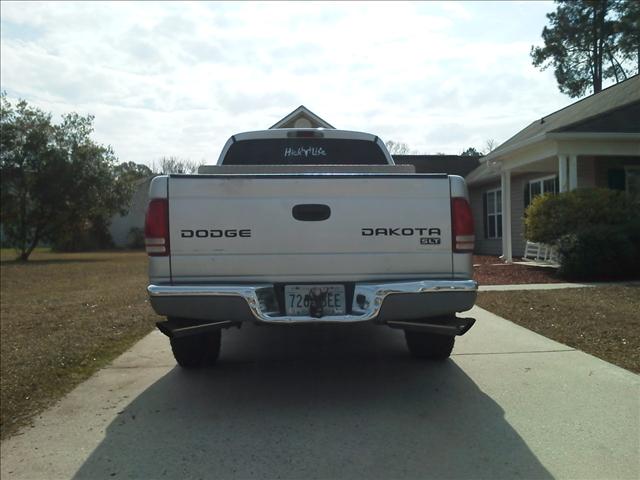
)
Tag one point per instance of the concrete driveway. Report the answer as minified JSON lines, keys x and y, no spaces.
{"x":348,"y":402}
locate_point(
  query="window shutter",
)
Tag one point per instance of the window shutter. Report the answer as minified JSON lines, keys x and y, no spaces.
{"x":484,"y":214}
{"x":616,"y":178}
{"x":557,"y":179}
{"x":526,"y":195}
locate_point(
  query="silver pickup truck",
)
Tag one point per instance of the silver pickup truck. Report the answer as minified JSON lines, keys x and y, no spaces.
{"x":298,"y":226}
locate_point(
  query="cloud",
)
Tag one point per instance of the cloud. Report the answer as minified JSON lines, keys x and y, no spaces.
{"x":179,"y":78}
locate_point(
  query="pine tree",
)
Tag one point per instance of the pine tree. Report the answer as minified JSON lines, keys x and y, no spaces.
{"x":588,"y":41}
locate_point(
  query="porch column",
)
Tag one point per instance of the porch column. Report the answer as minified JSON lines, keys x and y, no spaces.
{"x":505,"y":183}
{"x":573,"y":172}
{"x":563,"y":161}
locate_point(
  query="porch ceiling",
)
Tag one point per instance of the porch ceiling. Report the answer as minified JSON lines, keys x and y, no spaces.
{"x":563,"y":144}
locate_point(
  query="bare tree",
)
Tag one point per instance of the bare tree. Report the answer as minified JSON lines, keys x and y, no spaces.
{"x":489,"y":146}
{"x":174,"y":165}
{"x":399,"y":148}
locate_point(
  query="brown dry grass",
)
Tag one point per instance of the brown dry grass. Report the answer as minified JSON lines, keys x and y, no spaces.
{"x":603,"y":321}
{"x":62,"y":317}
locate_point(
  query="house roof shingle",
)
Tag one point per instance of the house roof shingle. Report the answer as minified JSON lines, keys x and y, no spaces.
{"x":614,"y":109}
{"x":450,"y":164}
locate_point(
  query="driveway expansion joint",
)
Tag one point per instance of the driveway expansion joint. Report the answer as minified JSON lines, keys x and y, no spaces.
{"x":554,"y":286}
{"x":532,"y":286}
{"x":129,"y":367}
{"x":512,"y":353}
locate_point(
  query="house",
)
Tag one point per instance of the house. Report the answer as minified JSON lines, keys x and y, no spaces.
{"x":301,"y":117}
{"x":594,"y":142}
{"x":452,"y":164}
{"x":124,"y":228}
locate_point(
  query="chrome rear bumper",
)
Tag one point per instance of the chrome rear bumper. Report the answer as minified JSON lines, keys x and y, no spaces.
{"x":368,"y":300}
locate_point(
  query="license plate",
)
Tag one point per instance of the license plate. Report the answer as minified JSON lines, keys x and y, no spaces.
{"x":314,"y":300}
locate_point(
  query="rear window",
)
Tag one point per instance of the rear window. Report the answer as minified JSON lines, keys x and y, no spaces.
{"x":305,"y":151}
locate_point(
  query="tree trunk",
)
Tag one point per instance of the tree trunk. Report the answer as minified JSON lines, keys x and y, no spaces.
{"x":618,"y":69}
{"x":26,"y":252}
{"x":23,"y":217}
{"x":597,"y":75}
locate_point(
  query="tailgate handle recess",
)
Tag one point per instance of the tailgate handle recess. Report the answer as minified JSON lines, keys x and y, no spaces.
{"x":311,"y":212}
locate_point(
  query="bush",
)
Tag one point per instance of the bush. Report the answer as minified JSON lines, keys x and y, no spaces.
{"x":135,"y":238}
{"x":596,"y":231}
{"x":550,"y":217}
{"x":91,"y":236}
{"x":599,"y":252}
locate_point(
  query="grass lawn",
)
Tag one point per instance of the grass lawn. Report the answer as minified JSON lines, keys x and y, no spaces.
{"x":62,"y":317}
{"x":603,"y":321}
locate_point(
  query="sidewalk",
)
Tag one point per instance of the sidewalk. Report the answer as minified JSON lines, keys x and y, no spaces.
{"x":551,"y":286}
{"x":533,"y":286}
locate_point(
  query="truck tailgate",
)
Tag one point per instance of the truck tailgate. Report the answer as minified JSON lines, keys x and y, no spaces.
{"x":241,"y":228}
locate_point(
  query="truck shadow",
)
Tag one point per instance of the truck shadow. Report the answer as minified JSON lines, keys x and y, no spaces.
{"x":312,"y":402}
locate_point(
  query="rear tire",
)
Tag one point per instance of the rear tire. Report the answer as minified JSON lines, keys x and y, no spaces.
{"x":196,"y":350}
{"x":429,"y":345}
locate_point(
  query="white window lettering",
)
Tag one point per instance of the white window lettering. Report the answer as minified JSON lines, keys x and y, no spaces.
{"x":305,"y":152}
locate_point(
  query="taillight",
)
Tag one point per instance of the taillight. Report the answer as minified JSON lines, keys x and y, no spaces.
{"x":462,"y":225}
{"x":156,"y":228}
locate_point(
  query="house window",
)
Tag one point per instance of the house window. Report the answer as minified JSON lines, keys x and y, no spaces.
{"x":493,"y":214}
{"x":540,"y":186}
{"x":632,"y":180}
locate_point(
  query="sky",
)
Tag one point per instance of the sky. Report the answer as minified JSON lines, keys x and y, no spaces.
{"x":178,"y":79}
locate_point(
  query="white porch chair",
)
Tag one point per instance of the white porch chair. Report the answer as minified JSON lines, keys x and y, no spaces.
{"x":540,"y":252}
